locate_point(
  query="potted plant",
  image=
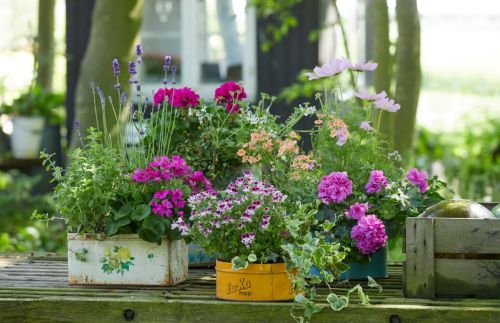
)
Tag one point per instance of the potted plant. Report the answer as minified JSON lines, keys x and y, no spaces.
{"x":362,"y":187}
{"x":30,"y":112}
{"x":244,"y":225}
{"x":124,"y":206}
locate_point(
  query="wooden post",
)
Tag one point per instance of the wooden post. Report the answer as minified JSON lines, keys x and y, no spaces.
{"x":420,"y":265}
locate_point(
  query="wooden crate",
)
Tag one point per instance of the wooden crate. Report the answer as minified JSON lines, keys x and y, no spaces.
{"x":452,"y":258}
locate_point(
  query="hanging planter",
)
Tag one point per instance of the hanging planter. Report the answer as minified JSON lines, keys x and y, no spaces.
{"x":257,"y":282}
{"x":126,"y":259}
{"x":27,"y":136}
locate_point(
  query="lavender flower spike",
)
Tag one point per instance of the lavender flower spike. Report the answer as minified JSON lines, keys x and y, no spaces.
{"x":132,"y":68}
{"x":116,"y":67}
{"x":168,"y":61}
{"x":138,"y":51}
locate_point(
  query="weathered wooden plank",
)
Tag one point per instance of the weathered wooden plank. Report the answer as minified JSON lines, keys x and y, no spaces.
{"x":463,"y":277}
{"x":467,"y":236}
{"x":110,"y":310}
{"x":420,"y":258}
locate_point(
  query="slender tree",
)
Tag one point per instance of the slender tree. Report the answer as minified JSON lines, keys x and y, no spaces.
{"x":44,"y":52}
{"x":115,"y":25}
{"x":409,"y":73}
{"x":381,"y":47}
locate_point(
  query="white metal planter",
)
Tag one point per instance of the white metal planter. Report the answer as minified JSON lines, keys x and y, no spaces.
{"x":27,"y":136}
{"x":126,"y":259}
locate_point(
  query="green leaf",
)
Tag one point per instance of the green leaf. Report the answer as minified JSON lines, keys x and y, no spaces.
{"x":141,"y":212}
{"x":111,"y":227}
{"x":238,"y":263}
{"x":123,"y":222}
{"x":373,"y":284}
{"x":124,"y":211}
{"x":337,"y":302}
{"x":252,"y":257}
{"x":149,"y":235}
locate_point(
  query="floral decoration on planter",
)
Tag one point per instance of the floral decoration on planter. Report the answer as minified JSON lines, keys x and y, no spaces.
{"x":118,"y":259}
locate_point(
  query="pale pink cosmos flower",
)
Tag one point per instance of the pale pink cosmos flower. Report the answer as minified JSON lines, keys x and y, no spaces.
{"x":366,"y":126}
{"x":387,"y":104}
{"x":334,"y":67}
{"x":366,"y":95}
{"x":361,"y":67}
{"x":342,"y":135}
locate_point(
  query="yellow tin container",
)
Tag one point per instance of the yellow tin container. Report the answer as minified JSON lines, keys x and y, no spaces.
{"x":258,"y":282}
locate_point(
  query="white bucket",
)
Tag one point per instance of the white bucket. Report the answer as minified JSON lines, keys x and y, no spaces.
{"x":27,"y":136}
{"x":126,"y":259}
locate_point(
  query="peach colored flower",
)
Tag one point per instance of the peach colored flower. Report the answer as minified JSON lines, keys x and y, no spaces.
{"x":241,"y":152}
{"x":254,"y":137}
{"x":288,"y":146}
{"x":318,"y":122}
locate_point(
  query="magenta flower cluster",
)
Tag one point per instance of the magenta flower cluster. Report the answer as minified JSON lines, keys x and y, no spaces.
{"x":369,"y":234}
{"x":178,"y":98}
{"x":161,"y":171}
{"x":357,"y":210}
{"x":334,"y":188}
{"x":418,"y":178}
{"x":230,"y":93}
{"x":376,"y":182}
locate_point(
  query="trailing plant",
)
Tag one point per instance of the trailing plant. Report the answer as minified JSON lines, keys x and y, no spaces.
{"x":313,"y":260}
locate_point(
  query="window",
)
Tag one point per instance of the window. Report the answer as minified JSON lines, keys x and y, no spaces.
{"x":210,"y":41}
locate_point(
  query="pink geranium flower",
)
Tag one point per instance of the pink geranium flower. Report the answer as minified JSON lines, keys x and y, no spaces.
{"x":357,"y":210}
{"x":179,"y":98}
{"x":334,"y":188}
{"x":369,"y":234}
{"x":230,"y":93}
{"x":376,"y":182}
{"x":418,"y":178}
{"x":387,"y":104}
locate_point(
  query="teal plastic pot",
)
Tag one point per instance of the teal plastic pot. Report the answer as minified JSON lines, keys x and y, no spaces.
{"x":198,"y":257}
{"x":375,"y":268}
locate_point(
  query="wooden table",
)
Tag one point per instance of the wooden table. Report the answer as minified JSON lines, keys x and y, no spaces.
{"x":34,"y":289}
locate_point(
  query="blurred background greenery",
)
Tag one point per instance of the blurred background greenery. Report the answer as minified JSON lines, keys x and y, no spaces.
{"x":457,"y":123}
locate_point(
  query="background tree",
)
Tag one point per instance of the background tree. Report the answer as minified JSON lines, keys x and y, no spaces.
{"x":115,"y":25}
{"x":44,"y":51}
{"x":409,"y":74}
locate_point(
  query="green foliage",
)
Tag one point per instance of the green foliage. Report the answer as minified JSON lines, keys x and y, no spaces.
{"x":280,"y":19}
{"x":38,"y":102}
{"x":88,"y":193}
{"x":309,"y":251}
{"x":19,"y":233}
{"x":470,"y":157}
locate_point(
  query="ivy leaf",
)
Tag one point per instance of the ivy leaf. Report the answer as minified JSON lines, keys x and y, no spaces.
{"x":238,"y":263}
{"x":252,"y":257}
{"x":373,"y":284}
{"x":337,"y":302}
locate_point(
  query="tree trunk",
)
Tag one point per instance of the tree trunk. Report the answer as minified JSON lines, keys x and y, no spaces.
{"x":408,"y":75}
{"x":381,"y":54}
{"x":44,"y":56}
{"x":115,"y":25}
